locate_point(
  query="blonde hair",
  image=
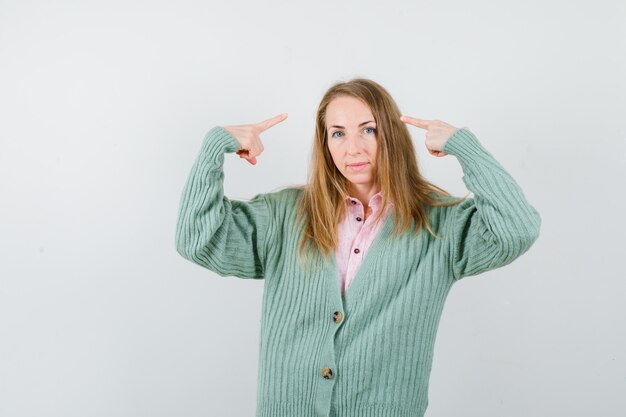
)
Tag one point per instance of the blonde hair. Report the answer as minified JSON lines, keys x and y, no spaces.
{"x":323,"y":200}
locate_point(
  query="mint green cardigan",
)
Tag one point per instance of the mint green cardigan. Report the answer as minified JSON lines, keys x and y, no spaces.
{"x":368,"y":354}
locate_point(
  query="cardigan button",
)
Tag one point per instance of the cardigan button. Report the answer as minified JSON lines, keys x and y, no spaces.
{"x":327,"y":373}
{"x":353,"y":201}
{"x":356,"y":250}
{"x":358,"y":219}
{"x":337,"y":317}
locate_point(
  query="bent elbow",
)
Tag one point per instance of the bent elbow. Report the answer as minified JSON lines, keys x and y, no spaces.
{"x":182,"y":249}
{"x":514,"y":244}
{"x":185,"y":247}
{"x":533,"y":228}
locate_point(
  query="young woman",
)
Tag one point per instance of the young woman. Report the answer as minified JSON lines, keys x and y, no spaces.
{"x":358,"y":262}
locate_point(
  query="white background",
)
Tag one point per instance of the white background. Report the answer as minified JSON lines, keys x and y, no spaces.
{"x":103,"y":107}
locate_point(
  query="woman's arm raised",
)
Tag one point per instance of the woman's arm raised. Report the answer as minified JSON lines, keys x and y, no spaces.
{"x":223,"y":235}
{"x":498,"y":224}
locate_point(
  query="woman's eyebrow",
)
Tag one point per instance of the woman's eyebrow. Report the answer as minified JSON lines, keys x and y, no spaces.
{"x":364,"y":123}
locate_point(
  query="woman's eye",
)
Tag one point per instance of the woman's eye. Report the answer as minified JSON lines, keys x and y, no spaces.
{"x":373,"y":130}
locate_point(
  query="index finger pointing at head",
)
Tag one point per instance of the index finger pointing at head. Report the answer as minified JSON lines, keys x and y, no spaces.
{"x":266,"y":124}
{"x":415,"y":121}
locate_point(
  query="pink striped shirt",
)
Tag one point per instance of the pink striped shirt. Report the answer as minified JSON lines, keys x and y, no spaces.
{"x":356,"y":236}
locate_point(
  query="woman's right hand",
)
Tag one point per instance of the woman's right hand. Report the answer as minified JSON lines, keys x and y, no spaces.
{"x":248,"y":137}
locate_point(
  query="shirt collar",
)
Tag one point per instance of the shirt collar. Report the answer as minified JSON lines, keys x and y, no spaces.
{"x":375,"y":201}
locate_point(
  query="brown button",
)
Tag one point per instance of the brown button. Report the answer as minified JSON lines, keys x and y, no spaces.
{"x":353,"y":201}
{"x":356,"y":250}
{"x":358,"y":219}
{"x":327,"y":373}
{"x":337,"y":317}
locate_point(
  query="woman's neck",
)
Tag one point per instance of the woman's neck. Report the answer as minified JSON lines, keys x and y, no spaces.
{"x":363,"y":193}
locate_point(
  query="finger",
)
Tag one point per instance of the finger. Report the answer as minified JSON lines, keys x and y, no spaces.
{"x":438,"y":153}
{"x":421,"y":123}
{"x":255,"y":151}
{"x":250,"y":153}
{"x":266,"y":124}
{"x":244,"y":155}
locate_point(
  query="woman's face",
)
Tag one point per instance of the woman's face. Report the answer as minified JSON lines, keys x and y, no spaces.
{"x":351,"y":132}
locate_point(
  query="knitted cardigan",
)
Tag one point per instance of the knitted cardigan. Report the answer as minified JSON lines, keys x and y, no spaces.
{"x":368,"y":354}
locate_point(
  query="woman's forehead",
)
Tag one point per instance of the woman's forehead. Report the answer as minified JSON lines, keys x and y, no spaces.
{"x":348,"y":111}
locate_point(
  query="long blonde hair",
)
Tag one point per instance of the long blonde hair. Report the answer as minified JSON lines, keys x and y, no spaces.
{"x":323,"y":200}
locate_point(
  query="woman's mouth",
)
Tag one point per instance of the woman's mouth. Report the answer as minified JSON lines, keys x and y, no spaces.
{"x":358,"y":167}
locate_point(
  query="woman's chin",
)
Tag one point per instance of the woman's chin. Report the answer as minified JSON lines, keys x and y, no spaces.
{"x":355,"y":180}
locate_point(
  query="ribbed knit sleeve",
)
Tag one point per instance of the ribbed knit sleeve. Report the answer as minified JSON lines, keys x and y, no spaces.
{"x":226,"y":236}
{"x":497,"y":224}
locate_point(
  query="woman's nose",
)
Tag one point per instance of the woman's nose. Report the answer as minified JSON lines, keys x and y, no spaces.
{"x":354,"y":143}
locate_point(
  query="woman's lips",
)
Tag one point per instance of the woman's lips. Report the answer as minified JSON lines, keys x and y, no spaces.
{"x":358,"y":167}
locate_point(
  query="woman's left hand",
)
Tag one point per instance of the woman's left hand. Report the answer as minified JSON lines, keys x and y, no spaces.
{"x":437,"y":133}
